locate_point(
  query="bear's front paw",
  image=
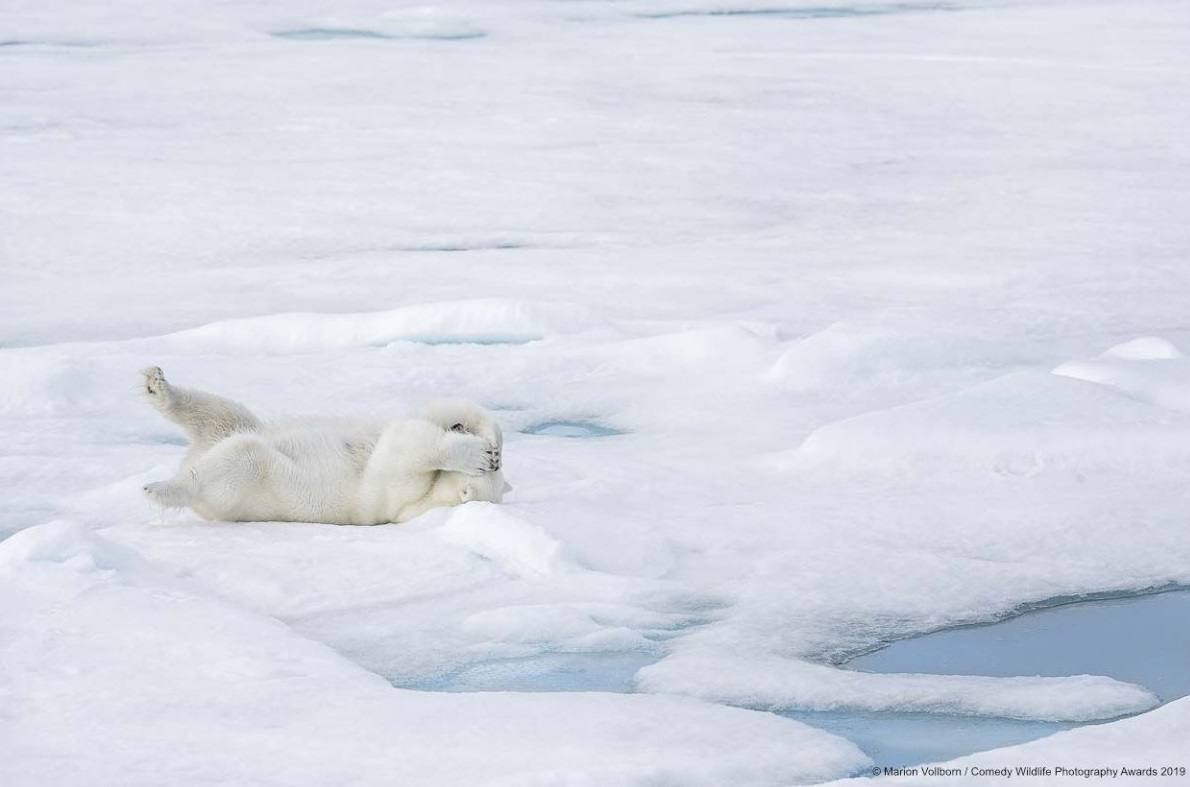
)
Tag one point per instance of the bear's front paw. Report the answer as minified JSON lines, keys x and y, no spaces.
{"x":466,"y":453}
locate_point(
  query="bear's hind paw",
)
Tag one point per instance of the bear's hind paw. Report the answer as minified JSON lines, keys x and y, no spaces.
{"x":156,"y":385}
{"x":168,"y":494}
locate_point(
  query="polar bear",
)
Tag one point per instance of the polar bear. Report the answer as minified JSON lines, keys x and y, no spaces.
{"x":339,"y":472}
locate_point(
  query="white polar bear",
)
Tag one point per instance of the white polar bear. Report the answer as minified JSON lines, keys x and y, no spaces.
{"x":338,"y":472}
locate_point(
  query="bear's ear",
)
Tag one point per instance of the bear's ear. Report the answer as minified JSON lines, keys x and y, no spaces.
{"x":507,"y":488}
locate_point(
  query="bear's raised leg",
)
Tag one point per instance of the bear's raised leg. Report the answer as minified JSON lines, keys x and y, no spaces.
{"x":205,"y":417}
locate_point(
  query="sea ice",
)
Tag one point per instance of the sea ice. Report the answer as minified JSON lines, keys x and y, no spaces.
{"x":817,"y":264}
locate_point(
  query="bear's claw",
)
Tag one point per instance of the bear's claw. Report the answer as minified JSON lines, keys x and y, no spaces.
{"x":469,"y":454}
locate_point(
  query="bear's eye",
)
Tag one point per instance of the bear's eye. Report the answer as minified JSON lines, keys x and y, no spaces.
{"x":458,"y":428}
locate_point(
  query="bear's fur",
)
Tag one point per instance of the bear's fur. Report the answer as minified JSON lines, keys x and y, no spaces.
{"x":339,"y":472}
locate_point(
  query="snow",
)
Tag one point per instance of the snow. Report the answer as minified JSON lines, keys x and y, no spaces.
{"x":1149,"y":369}
{"x":1146,"y":348}
{"x":786,"y":683}
{"x":117,"y":674}
{"x":1023,"y":423}
{"x":516,"y":547}
{"x":880,"y":306}
{"x":494,"y":321}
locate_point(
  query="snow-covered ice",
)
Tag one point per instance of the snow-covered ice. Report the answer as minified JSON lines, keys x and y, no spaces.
{"x":118,"y":674}
{"x":874,"y":315}
{"x":787,"y":683}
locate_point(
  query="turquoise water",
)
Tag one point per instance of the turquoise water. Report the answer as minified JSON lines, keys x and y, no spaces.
{"x":332,"y":33}
{"x":809,"y":12}
{"x":1142,"y":639}
{"x":547,"y":672}
{"x":484,"y":339}
{"x":901,"y":739}
{"x":571,"y":429}
{"x":327,"y":34}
